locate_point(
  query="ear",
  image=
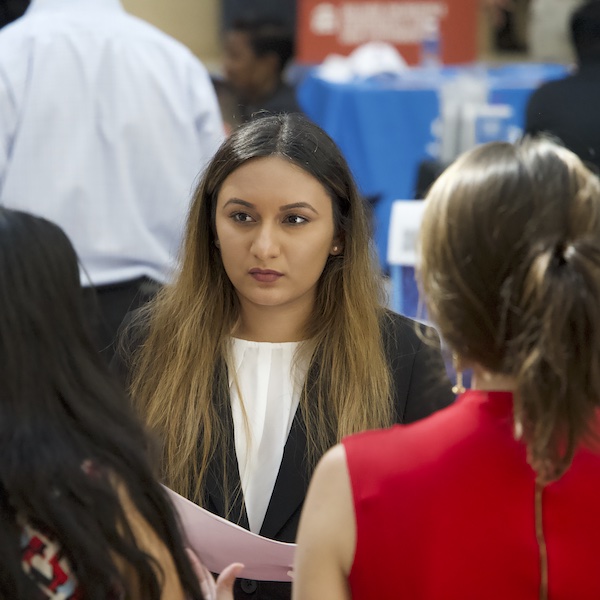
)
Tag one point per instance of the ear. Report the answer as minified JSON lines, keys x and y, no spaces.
{"x":218,"y":244}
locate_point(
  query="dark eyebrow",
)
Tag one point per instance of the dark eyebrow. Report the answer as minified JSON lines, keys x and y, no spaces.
{"x":281,"y":208}
{"x":238,"y":201}
{"x":298,"y":205}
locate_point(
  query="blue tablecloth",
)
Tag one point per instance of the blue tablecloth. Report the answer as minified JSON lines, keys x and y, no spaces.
{"x":384,"y":125}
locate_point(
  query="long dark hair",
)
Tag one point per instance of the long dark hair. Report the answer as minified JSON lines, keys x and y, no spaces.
{"x":60,"y":411}
{"x":510,"y":266}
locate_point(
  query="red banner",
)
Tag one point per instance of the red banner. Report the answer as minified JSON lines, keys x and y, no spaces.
{"x":339,"y":26}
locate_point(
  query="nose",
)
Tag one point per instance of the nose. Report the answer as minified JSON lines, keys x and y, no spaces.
{"x":265,"y":244}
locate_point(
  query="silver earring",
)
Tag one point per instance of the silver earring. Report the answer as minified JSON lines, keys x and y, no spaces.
{"x":334,"y":249}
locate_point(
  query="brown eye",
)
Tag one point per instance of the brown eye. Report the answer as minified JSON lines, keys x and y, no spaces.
{"x":295,"y":220}
{"x":240,"y":217}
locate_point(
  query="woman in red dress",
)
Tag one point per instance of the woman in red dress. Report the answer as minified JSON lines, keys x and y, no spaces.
{"x":496,"y":496}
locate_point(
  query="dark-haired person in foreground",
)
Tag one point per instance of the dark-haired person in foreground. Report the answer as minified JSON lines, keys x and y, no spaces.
{"x":497,"y":496}
{"x":81,"y":515}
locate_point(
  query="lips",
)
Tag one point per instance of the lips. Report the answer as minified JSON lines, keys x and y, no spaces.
{"x":265,"y":275}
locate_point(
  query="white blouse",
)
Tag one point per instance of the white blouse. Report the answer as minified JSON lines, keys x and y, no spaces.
{"x":265,"y":385}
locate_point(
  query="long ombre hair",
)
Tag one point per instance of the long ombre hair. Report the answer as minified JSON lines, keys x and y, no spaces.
{"x":510,"y":267}
{"x":179,"y":379}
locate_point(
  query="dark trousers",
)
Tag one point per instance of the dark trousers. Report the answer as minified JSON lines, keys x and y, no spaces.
{"x":107,"y":305}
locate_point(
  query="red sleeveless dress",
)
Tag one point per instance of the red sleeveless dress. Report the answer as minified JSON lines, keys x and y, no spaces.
{"x":446,"y":510}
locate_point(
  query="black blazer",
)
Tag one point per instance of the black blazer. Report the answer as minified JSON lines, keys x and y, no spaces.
{"x":420,"y":387}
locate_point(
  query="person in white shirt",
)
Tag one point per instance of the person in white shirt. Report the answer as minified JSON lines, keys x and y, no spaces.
{"x":105,"y":122}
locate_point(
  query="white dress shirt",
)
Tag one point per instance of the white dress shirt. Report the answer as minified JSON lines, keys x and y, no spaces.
{"x":105,"y":123}
{"x":265,"y":385}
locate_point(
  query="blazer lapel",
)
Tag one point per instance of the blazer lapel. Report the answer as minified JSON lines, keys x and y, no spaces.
{"x":291,"y":483}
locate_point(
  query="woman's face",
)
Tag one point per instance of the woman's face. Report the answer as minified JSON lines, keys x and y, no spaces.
{"x":275,"y":230}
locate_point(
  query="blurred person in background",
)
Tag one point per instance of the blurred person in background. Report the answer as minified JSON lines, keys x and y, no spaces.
{"x":568,"y":108}
{"x":105,"y":123}
{"x":496,"y":496}
{"x":257,"y":52}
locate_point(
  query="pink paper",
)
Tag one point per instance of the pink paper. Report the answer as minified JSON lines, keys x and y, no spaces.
{"x":218,"y":543}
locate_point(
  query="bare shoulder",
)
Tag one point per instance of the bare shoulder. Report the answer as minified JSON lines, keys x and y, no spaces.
{"x":330,"y":488}
{"x":333,"y":464}
{"x":327,"y":533}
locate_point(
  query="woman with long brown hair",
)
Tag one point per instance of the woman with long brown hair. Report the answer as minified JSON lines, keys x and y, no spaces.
{"x":496,"y":496}
{"x":273,"y":342}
